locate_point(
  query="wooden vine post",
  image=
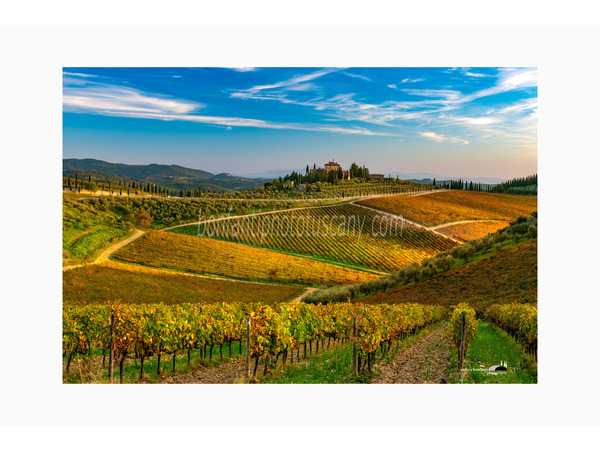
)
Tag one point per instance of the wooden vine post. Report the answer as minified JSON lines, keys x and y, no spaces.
{"x":461,"y":354}
{"x":354,"y":351}
{"x":248,"y":347}
{"x":110,"y":347}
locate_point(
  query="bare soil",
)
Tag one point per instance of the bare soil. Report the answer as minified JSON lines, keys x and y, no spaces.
{"x":226,"y":373}
{"x":107,"y":253}
{"x":423,"y":362}
{"x":299,"y":298}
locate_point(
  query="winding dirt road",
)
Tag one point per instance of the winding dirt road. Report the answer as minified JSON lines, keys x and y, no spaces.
{"x":425,"y":361}
{"x":299,"y":298}
{"x":106,"y":254}
{"x":350,"y":200}
{"x":416,"y":224}
{"x":449,"y":224}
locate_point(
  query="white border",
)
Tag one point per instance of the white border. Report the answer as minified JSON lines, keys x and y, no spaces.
{"x":30,"y":333}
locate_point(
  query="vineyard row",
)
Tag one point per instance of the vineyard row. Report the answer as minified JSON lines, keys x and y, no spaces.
{"x":143,"y":331}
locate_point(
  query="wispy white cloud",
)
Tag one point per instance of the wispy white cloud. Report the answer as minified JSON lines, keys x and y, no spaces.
{"x":254,"y":123}
{"x":244,"y":69}
{"x":442,"y":138}
{"x":302,"y":87}
{"x":256,"y":91}
{"x":508,"y":80}
{"x":119,"y":101}
{"x":444,"y":107}
{"x":446,"y":94}
{"x":467,"y":72}
{"x":412,"y":80}
{"x":529,"y":104}
{"x":475,"y":120}
{"x":83,"y":75}
{"x":107,"y":98}
{"x":389,"y":113}
{"x":354,"y":75}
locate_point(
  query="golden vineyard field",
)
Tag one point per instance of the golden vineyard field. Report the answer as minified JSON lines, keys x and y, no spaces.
{"x":367,"y":238}
{"x":452,"y":206}
{"x":472,"y":230}
{"x":200,"y":255}
{"x":99,"y":284}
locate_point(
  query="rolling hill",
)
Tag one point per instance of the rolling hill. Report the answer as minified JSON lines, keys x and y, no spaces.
{"x":509,"y":276}
{"x":171,"y":176}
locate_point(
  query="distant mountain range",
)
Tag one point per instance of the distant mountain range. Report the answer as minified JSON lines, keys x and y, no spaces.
{"x":179,"y":177}
{"x":170,"y":176}
{"x":272,"y":174}
{"x":415,"y":176}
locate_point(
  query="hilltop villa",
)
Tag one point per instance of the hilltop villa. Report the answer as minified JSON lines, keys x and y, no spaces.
{"x":331,"y":165}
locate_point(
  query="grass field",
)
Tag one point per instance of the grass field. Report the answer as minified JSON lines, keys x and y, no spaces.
{"x":209,"y":256}
{"x":508,"y":276}
{"x":86,"y":231}
{"x":451,"y":206}
{"x":99,"y":284}
{"x":472,"y":230}
{"x":346,"y":234}
{"x":490,"y":346}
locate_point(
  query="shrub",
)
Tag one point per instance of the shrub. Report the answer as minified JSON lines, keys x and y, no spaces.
{"x":90,"y":186}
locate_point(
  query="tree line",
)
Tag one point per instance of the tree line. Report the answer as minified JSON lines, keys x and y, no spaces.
{"x":321,"y":175}
{"x":524,"y":185}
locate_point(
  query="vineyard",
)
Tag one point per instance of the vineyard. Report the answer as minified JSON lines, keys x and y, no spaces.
{"x":172,"y":211}
{"x":464,"y":327}
{"x":131,"y":284}
{"x":326,"y":190}
{"x":472,"y":230}
{"x":361,"y":190}
{"x":343,"y":233}
{"x":143,"y":331}
{"x":510,"y":275}
{"x":518,"y":320}
{"x":208,"y":256}
{"x":452,"y":206}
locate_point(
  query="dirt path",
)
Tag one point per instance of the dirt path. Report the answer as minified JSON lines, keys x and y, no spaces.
{"x":105,"y":255}
{"x":416,"y":224}
{"x":217,"y":219}
{"x":226,"y":373}
{"x":423,"y":362}
{"x":299,"y":298}
{"x":449,"y":224}
{"x":429,"y":192}
{"x":104,"y":259}
{"x":349,"y":200}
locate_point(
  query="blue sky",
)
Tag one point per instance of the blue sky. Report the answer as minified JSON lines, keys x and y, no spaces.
{"x":460,"y":122}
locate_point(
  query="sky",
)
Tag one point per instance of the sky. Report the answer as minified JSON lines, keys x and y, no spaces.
{"x":459,"y":122}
